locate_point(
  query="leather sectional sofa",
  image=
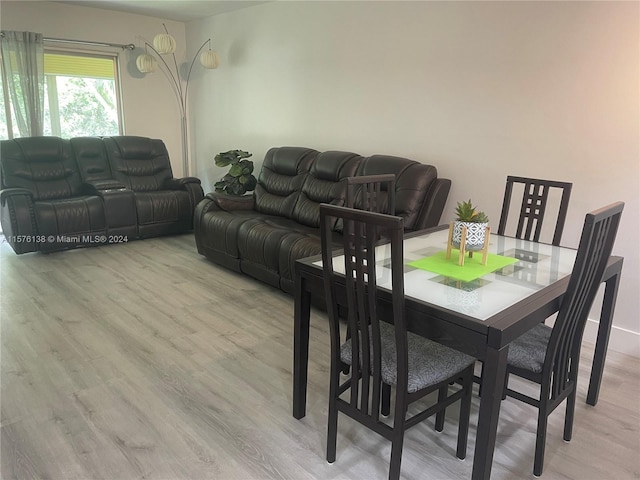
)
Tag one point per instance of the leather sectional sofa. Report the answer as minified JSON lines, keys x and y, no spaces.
{"x":263,"y":234}
{"x":65,"y":193}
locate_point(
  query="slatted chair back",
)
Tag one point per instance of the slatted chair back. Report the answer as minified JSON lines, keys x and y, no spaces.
{"x":594,"y":250}
{"x":360,"y":232}
{"x":549,"y":356}
{"x":533,"y":207}
{"x":373,"y":193}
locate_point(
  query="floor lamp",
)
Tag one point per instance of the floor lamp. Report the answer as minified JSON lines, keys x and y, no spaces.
{"x":165,"y":44}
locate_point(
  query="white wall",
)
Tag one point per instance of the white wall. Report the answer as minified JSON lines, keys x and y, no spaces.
{"x":479,"y":89}
{"x":149,"y":106}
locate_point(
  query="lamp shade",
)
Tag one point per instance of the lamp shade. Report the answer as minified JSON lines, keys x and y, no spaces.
{"x":164,"y":43}
{"x":146,"y":63}
{"x":210,"y":59}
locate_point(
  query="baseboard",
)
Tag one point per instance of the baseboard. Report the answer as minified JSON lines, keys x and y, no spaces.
{"x":621,"y":340}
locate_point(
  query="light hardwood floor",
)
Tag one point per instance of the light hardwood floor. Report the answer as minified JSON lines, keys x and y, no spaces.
{"x":146,"y":361}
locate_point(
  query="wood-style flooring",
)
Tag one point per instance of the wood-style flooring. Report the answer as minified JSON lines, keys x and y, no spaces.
{"x":146,"y":361}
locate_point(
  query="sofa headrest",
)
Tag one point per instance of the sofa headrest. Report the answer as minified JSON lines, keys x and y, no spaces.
{"x":40,"y":149}
{"x":409,"y":173}
{"x":413,"y":180}
{"x":88,"y":147}
{"x":289,"y":161}
{"x":379,"y":164}
{"x":138,"y":148}
{"x":334,"y":166}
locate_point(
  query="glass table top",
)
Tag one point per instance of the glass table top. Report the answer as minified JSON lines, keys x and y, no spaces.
{"x":538,"y":266}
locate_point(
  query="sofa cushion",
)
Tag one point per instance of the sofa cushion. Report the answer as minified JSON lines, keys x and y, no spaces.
{"x":69,"y":222}
{"x":325,"y":183}
{"x":283,"y":172}
{"x":163,"y":206}
{"x":141,"y":164}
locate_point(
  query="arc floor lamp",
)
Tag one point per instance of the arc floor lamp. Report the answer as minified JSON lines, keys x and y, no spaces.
{"x":165,"y":44}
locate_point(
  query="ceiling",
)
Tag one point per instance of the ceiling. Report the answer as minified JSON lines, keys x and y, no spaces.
{"x":178,"y":10}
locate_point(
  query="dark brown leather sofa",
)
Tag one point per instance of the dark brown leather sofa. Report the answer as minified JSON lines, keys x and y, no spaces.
{"x":65,"y":193}
{"x":262,"y":235}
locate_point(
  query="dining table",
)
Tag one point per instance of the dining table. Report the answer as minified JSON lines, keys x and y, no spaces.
{"x":478,"y":312}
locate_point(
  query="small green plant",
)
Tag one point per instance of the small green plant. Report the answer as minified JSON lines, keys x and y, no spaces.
{"x":239,"y":180}
{"x":468,"y":213}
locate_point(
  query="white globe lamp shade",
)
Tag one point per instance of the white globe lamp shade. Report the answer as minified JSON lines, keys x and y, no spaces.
{"x":146,"y":63}
{"x":210,"y":59}
{"x":164,"y":43}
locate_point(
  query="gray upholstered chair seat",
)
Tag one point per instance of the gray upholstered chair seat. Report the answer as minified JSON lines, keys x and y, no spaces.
{"x":528,"y":350}
{"x":429,"y":362}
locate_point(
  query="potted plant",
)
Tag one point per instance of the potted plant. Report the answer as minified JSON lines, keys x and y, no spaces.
{"x":239,"y":180}
{"x":475,"y":221}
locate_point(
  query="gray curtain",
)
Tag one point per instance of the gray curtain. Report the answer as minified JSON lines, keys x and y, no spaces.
{"x":23,"y":82}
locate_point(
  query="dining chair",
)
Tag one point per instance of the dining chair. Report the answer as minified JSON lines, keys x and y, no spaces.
{"x":415,"y":365}
{"x":533,"y":207}
{"x":548,"y":356}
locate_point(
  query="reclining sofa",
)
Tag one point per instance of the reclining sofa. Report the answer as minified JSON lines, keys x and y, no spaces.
{"x":263,"y":234}
{"x":65,"y":193}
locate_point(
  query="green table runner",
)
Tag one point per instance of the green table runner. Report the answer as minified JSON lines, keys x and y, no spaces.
{"x":471,"y":269}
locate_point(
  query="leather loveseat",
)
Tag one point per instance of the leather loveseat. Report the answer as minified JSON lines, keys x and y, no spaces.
{"x":262,"y":235}
{"x":64,"y":193}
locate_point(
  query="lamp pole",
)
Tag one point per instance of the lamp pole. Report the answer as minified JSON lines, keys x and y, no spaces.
{"x":146,"y":64}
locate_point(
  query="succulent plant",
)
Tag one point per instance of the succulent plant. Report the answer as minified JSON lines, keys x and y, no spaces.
{"x":466,"y":212}
{"x":239,"y":180}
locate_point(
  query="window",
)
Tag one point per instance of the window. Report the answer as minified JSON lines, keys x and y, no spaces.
{"x":81,"y":96}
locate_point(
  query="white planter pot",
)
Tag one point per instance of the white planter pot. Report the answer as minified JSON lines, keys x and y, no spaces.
{"x":475,"y":235}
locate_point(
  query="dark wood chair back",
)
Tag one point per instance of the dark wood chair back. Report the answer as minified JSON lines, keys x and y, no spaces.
{"x":533,"y":207}
{"x":373,"y":193}
{"x":594,"y":250}
{"x":550,"y":356}
{"x":360,"y":233}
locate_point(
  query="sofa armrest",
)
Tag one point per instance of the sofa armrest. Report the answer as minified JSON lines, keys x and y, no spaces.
{"x":18,"y":220}
{"x":11,"y":192}
{"x":191,"y":184}
{"x":434,"y":203}
{"x":218,"y":202}
{"x":230,"y":203}
{"x":179,"y":183}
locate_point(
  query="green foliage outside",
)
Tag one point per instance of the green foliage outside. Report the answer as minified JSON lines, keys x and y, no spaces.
{"x":85,"y":107}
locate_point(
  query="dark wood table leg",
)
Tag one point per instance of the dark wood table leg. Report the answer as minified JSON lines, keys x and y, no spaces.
{"x":495,"y":365}
{"x":602,"y":341}
{"x":301,"y":320}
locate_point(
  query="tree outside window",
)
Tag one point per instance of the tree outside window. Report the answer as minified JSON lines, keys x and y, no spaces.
{"x":81,"y":96}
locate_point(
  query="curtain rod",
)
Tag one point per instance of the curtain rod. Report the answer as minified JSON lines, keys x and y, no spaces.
{"x":129,"y":46}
